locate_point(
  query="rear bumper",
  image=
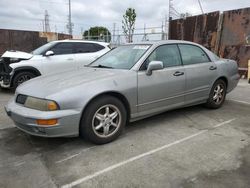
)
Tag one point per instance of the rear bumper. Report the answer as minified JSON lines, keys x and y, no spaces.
{"x":25,"y":120}
{"x":232,"y":83}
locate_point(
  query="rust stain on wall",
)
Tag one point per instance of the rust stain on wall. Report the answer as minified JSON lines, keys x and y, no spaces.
{"x":235,"y":29}
{"x":201,"y":29}
{"x":229,"y":42}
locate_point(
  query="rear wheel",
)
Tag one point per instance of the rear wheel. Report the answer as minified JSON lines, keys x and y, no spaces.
{"x":217,"y":95}
{"x":22,"y":77}
{"x":103,"y":120}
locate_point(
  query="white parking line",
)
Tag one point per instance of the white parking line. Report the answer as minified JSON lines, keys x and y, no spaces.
{"x":239,"y":101}
{"x":19,"y":163}
{"x":122,"y":163}
{"x":72,"y":156}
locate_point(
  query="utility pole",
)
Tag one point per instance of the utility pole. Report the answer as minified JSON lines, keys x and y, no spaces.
{"x":56,"y":32}
{"x":144,"y":38}
{"x":46,"y":22}
{"x":107,"y":36}
{"x":43,"y":25}
{"x":70,"y":24}
{"x":166,"y":27}
{"x":113,"y":38}
{"x":201,"y":7}
{"x":162,"y":31}
{"x":118,"y":40}
{"x":170,"y":6}
{"x":82,"y":37}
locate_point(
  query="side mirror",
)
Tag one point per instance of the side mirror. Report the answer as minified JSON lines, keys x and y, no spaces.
{"x":49,"y":53}
{"x":154,"y":65}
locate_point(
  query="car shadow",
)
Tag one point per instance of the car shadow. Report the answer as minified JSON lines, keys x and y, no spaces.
{"x":163,"y":117}
{"x":17,"y":142}
{"x":7,"y":91}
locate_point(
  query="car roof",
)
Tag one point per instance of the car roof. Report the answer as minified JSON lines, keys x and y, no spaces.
{"x":164,"y":42}
{"x":83,"y":41}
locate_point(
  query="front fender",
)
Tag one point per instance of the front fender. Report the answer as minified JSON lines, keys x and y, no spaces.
{"x":78,"y":97}
{"x":27,"y":68}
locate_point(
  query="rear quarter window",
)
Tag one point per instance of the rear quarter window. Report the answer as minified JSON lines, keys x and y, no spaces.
{"x":87,"y":47}
{"x":98,"y":47}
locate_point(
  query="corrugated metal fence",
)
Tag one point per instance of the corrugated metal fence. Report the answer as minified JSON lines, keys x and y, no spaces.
{"x":25,"y":40}
{"x":225,"y":34}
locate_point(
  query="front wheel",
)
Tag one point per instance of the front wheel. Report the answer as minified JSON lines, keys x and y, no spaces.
{"x":22,"y":77}
{"x":217,"y":95}
{"x":103,"y":120}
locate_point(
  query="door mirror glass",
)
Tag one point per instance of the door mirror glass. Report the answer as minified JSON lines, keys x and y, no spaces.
{"x":49,"y":53}
{"x":154,"y":65}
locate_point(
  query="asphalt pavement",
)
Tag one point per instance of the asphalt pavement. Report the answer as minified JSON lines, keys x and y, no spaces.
{"x":190,"y":147}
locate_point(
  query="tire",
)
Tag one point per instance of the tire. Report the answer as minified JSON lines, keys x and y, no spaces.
{"x":22,"y":77}
{"x":217,"y":95}
{"x":103,"y":120}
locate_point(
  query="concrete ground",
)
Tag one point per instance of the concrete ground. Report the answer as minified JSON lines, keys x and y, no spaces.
{"x":190,"y":147}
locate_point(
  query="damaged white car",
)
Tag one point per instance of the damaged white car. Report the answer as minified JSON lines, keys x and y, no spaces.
{"x":58,"y":56}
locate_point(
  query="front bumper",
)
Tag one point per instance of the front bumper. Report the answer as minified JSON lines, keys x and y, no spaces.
{"x":4,"y":84}
{"x":25,"y":119}
{"x":6,"y":74}
{"x":5,"y":80}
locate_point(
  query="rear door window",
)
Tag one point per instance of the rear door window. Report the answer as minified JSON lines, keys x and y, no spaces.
{"x":192,"y":54}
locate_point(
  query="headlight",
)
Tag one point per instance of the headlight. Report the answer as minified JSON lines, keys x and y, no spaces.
{"x":36,"y":103}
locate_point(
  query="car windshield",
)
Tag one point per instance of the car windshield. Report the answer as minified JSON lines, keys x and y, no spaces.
{"x":123,"y":57}
{"x":42,"y":49}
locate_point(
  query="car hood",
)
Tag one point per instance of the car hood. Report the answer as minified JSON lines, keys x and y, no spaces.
{"x":17,"y":55}
{"x":45,"y":86}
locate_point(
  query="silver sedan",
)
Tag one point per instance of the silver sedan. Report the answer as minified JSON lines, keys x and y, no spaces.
{"x":129,"y":83}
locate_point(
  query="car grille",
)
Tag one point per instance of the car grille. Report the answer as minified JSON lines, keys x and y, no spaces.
{"x":21,"y":99}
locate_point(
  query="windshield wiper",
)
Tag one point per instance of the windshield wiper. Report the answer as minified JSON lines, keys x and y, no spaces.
{"x":101,"y":66}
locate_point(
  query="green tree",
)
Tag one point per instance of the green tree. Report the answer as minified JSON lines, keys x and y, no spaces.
{"x":98,"y":33}
{"x":128,"y":24}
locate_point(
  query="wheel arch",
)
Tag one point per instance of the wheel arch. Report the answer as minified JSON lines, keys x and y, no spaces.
{"x":25,"y":69}
{"x":224,"y":78}
{"x":115,"y":94}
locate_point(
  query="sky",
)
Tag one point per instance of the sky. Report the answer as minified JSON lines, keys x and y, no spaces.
{"x":29,"y":14}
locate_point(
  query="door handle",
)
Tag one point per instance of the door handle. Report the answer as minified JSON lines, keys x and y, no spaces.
{"x":70,"y":59}
{"x":178,"y":73}
{"x":212,"y":68}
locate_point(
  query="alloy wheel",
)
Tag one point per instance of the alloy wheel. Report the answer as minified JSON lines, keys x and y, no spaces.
{"x":106,"y":121}
{"x":23,"y":78}
{"x":218,"y":94}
